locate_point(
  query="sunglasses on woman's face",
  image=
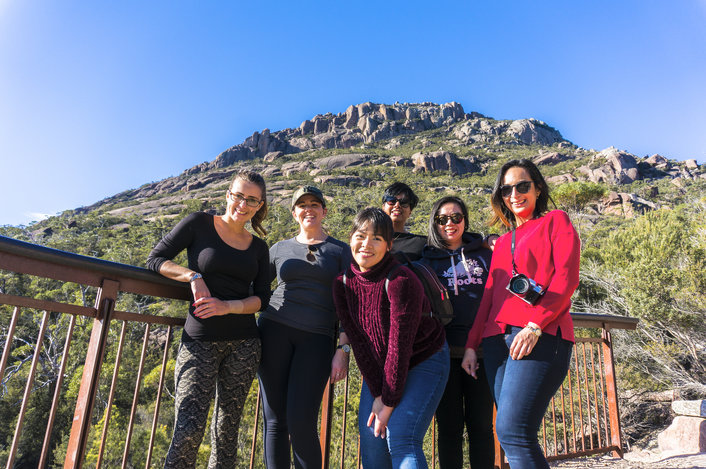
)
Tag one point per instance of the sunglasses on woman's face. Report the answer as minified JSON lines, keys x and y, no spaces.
{"x":392,"y":200}
{"x":522,"y":188}
{"x":455,"y":218}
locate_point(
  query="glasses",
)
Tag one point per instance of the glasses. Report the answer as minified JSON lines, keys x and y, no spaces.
{"x":249,"y":201}
{"x":310,"y":253}
{"x":392,"y":200}
{"x":455,"y":218}
{"x":522,"y":187}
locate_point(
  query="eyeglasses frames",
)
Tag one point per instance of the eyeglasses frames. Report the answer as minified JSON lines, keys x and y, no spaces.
{"x":522,"y":187}
{"x":249,"y":201}
{"x":310,"y":253}
{"x":455,"y":218}
{"x":392,"y":200}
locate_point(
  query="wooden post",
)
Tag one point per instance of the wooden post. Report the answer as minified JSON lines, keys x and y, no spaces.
{"x":612,"y":393}
{"x":105,"y":303}
{"x":326,"y":418}
{"x":499,"y":453}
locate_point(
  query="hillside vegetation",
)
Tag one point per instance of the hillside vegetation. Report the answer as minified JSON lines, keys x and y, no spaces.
{"x":641,"y":221}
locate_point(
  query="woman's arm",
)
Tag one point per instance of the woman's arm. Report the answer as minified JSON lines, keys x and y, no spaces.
{"x":179,"y":273}
{"x":407,"y":299}
{"x":363,"y":356}
{"x":339,"y":364}
{"x":160,"y":258}
{"x":566,"y":254}
{"x":476,"y":333}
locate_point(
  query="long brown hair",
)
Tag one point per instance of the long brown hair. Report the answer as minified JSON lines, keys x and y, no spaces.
{"x":255,"y":178}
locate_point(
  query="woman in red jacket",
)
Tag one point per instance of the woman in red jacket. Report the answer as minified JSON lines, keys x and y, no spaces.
{"x":523,"y":320}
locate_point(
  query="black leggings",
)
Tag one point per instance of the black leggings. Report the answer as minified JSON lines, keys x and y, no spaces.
{"x":293,"y":372}
{"x":466,"y":402}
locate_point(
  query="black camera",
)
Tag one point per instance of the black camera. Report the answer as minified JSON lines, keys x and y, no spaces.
{"x":525,"y":288}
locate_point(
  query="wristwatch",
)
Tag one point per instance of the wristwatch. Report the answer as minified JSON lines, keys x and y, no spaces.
{"x":534,"y":329}
{"x":345,"y":347}
{"x":194,"y":276}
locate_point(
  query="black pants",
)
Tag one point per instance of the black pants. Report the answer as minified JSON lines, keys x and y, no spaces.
{"x":293,"y":372}
{"x":467,"y":402}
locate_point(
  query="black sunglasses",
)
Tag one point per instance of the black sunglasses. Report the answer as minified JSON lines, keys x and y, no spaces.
{"x":392,"y":200}
{"x":455,"y":218}
{"x":310,"y":253}
{"x":522,"y":187}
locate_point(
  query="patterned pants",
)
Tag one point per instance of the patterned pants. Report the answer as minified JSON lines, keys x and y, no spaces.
{"x":225,"y":369}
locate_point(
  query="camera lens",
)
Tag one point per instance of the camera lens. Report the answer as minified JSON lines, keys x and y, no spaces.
{"x":519,"y":285}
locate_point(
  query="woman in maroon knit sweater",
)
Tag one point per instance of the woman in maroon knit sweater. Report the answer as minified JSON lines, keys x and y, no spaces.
{"x":527,"y":338}
{"x":401,"y":351}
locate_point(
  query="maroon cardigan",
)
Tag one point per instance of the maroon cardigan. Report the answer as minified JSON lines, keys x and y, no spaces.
{"x":390,"y":333}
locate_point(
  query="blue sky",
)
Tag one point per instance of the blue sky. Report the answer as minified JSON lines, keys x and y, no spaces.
{"x":100,"y":97}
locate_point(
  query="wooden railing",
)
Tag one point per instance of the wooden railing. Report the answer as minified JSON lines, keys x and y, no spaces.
{"x":583,"y":418}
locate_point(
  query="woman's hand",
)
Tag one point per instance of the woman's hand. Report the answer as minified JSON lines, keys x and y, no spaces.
{"x":470,"y":362}
{"x":379,"y":416}
{"x":523,"y":343}
{"x":199,"y":289}
{"x":339,"y":366}
{"x":207,"y":307}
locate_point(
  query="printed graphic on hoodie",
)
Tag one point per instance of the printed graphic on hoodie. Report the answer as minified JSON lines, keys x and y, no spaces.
{"x":466,"y":272}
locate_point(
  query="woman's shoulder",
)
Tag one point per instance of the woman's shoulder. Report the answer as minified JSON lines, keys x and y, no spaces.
{"x":197,"y":217}
{"x":283,"y":243}
{"x":558,"y":215}
{"x":557,"y":220}
{"x":337,"y":242}
{"x":399,"y":272}
{"x":258,"y":243}
{"x":194,"y":222}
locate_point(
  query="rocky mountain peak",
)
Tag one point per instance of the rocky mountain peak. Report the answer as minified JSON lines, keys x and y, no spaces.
{"x":367,"y":123}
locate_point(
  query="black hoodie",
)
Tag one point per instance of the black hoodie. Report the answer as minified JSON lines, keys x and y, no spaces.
{"x":469,"y":281}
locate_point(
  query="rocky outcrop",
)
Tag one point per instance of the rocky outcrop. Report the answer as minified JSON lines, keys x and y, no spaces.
{"x":341,"y":161}
{"x":561,"y":179}
{"x":691,"y":164}
{"x":548,"y":157}
{"x":532,"y":131}
{"x":443,"y":161}
{"x":344,"y":180}
{"x":626,"y":205}
{"x":658,"y":161}
{"x":272,"y":156}
{"x":687,"y":433}
{"x":618,"y":168}
{"x":370,"y":122}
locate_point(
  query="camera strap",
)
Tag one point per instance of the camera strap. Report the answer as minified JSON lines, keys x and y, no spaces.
{"x":512,"y":253}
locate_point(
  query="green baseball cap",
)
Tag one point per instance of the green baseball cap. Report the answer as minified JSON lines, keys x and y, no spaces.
{"x":310,"y":190}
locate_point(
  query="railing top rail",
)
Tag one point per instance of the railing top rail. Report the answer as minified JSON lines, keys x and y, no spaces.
{"x":606,"y":321}
{"x":27,"y":258}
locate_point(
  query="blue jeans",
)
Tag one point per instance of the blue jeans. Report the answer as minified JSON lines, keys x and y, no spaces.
{"x":522,"y":390}
{"x":402,"y":447}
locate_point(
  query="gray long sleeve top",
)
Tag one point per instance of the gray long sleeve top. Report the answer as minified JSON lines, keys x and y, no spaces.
{"x":303,"y":296}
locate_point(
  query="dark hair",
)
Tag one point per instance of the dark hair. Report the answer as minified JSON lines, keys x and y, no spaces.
{"x":502,"y":214}
{"x":397,"y":188}
{"x":433,"y":236}
{"x":255,"y":178}
{"x":378,"y":220}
